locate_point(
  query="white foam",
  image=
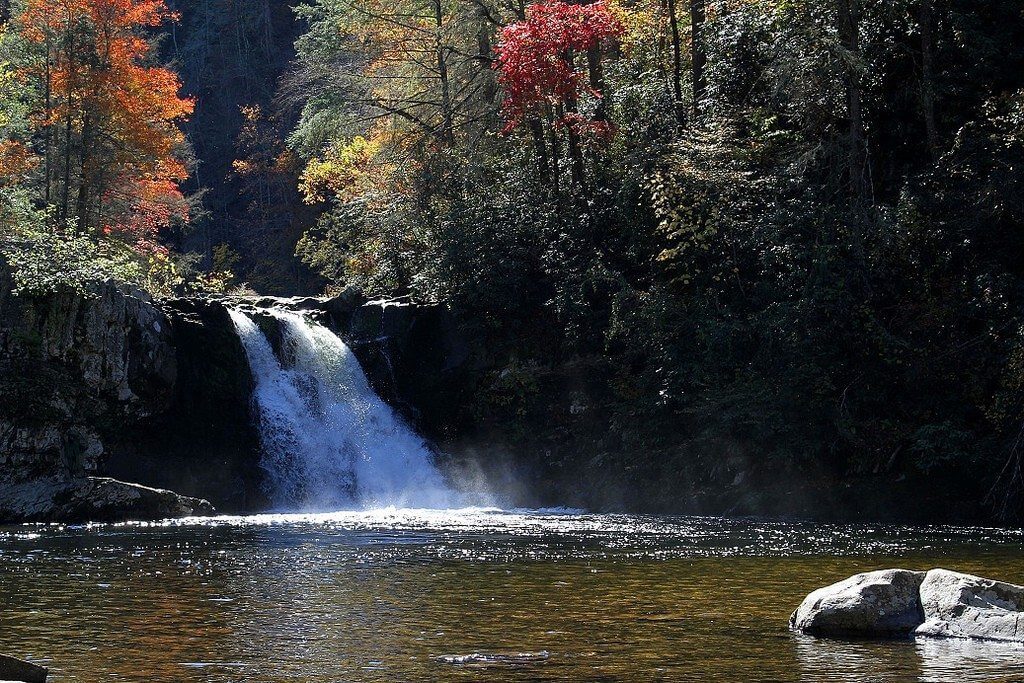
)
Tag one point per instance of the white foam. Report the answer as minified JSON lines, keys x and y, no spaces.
{"x":329,"y":442}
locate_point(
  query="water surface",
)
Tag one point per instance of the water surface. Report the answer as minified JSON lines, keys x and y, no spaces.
{"x":398,"y":595}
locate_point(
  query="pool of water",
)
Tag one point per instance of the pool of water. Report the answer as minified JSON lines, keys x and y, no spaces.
{"x":473,"y":595}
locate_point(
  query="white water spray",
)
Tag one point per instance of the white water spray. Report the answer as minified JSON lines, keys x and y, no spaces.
{"x":329,"y":442}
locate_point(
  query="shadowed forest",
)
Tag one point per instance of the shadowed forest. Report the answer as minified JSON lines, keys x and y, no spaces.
{"x":747,"y":256}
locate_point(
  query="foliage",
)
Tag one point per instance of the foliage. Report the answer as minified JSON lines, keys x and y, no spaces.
{"x":535,"y":61}
{"x":90,"y":145}
{"x":45,"y":256}
{"x":809,"y":270}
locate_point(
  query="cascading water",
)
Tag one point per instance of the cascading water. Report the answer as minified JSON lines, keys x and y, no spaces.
{"x":329,"y":442}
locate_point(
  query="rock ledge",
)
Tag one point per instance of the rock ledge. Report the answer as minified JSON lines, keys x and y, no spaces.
{"x":12,"y":669}
{"x":93,"y":499}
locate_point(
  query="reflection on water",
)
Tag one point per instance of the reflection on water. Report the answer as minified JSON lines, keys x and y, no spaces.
{"x":395,"y":595}
{"x":969,"y":660}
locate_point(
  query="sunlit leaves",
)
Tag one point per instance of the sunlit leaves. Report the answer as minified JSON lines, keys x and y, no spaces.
{"x":96,"y":68}
{"x":536,"y":59}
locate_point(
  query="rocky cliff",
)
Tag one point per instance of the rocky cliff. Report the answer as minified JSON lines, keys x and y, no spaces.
{"x":75,"y":370}
{"x":111,"y":385}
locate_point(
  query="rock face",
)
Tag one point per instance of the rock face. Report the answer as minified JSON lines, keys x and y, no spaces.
{"x":69,"y":365}
{"x":114,"y":384}
{"x":882,"y":603}
{"x":901,"y":603}
{"x":12,"y":669}
{"x":965,"y":606}
{"x":203,"y":442}
{"x":81,"y":375}
{"x":94,"y":499}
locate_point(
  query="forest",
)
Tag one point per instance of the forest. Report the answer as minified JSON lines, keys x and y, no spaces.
{"x":753,"y":241}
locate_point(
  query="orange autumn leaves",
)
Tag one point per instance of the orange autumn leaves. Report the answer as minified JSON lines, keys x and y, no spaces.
{"x":110,"y":109}
{"x":15,"y":160}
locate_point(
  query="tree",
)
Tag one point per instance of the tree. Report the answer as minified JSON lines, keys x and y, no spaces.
{"x":543,"y":88}
{"x":107,"y":118}
{"x":698,"y":52}
{"x":848,"y":27}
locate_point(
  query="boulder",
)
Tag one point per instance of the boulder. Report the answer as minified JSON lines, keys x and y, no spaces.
{"x":965,"y":606}
{"x":12,"y":669}
{"x":901,"y":603}
{"x":93,"y":499}
{"x":880,"y":603}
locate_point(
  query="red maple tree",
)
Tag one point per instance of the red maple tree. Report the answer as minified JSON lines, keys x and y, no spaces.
{"x":535,"y":63}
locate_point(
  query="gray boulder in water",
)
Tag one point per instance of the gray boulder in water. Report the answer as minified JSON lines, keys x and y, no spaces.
{"x":881,"y":603}
{"x":902,"y":603}
{"x":965,"y":606}
{"x":12,"y":669}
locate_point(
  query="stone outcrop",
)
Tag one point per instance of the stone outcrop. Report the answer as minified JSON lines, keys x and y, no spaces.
{"x":902,"y":603}
{"x":203,"y":443}
{"x":12,"y":669}
{"x":71,"y":365}
{"x":94,"y":499}
{"x":79,"y":374}
{"x":882,"y":603}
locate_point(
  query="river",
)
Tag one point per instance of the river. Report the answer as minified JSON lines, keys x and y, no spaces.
{"x":471,"y":595}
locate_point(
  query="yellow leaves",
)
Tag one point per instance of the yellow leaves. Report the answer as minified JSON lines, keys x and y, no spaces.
{"x":641,"y":21}
{"x":242,"y":167}
{"x":354,"y":168}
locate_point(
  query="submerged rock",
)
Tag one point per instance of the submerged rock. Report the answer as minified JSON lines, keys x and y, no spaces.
{"x":12,"y":669}
{"x":93,"y":499}
{"x":881,"y":603}
{"x":965,"y":606}
{"x":901,"y":603}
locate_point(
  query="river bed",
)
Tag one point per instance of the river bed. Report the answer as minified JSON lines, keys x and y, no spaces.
{"x":474,"y":595}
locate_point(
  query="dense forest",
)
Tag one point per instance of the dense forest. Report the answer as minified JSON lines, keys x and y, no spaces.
{"x":705,"y":247}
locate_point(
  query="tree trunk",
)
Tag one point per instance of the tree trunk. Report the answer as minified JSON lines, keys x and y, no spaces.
{"x":699,"y":58}
{"x":677,"y":54}
{"x":927,"y":19}
{"x":595,"y":71}
{"x":48,"y":130}
{"x":537,"y":131}
{"x":84,"y":175}
{"x":447,"y":117}
{"x":849,"y":37}
{"x":66,"y":189}
{"x":556,"y":153}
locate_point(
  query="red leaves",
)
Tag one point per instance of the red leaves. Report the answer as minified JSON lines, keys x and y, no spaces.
{"x":145,"y":206}
{"x":535,"y":60}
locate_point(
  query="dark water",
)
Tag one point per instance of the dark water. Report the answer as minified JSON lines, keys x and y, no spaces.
{"x":471,"y":596}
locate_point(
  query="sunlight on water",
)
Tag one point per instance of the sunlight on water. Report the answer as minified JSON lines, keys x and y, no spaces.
{"x":475,"y":594}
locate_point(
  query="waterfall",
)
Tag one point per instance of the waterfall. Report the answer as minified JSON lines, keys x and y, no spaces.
{"x":328,"y":441}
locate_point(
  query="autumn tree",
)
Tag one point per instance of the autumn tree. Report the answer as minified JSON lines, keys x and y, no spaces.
{"x":544,"y":88}
{"x":106,"y":117}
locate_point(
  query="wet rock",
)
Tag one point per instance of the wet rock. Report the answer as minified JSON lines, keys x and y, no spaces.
{"x":965,"y":606}
{"x":204,"y":443}
{"x":881,"y":603}
{"x":12,"y":669}
{"x":93,"y":499}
